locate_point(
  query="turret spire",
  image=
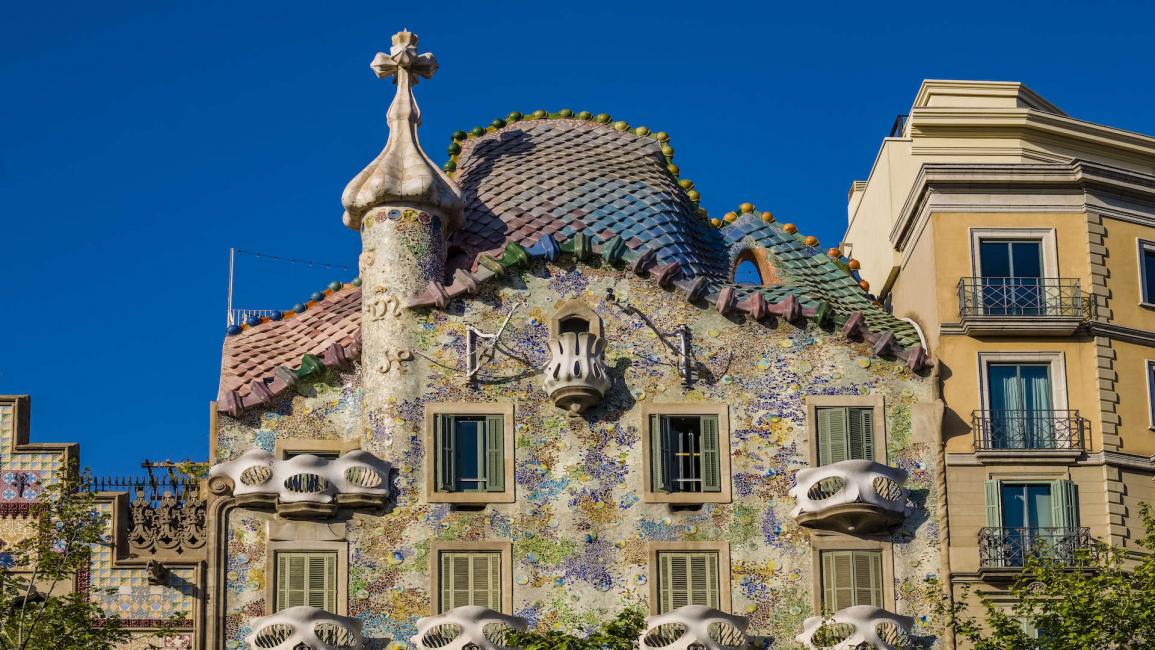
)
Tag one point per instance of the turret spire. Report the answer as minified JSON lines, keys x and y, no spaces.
{"x":402,"y":173}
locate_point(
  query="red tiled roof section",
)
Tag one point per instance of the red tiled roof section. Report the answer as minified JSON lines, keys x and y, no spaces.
{"x":253,"y":355}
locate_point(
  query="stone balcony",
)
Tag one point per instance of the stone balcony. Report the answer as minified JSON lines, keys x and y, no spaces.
{"x":467,"y":628}
{"x":576,"y":375}
{"x":852,"y":496}
{"x":304,"y":486}
{"x":856,"y":627}
{"x":695,"y":627}
{"x":298,"y":628}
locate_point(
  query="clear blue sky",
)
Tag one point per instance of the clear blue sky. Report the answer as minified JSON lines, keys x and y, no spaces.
{"x":140,"y":140}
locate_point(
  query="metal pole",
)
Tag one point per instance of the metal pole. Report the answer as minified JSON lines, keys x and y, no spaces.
{"x":232,"y":256}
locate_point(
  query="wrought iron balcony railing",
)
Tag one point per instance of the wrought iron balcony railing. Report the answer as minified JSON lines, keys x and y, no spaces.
{"x":1021,"y":298}
{"x":1027,"y":430}
{"x":1011,"y":547}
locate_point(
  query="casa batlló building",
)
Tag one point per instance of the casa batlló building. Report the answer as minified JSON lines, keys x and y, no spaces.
{"x":544,"y":399}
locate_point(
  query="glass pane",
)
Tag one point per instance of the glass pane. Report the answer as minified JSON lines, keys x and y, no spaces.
{"x":1038,"y":498}
{"x":1026,"y":259}
{"x":469,"y":446}
{"x":995,"y":259}
{"x":1014,"y":506}
{"x":686,"y":450}
{"x":1149,"y":275}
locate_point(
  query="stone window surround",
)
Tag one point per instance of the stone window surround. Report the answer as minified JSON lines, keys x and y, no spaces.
{"x":835,"y":542}
{"x":721,"y":548}
{"x":1056,"y":360}
{"x":341,"y":548}
{"x":1143,"y":245}
{"x":503,"y":408}
{"x":875,"y":402}
{"x":504,"y":548}
{"x":1046,"y":236}
{"x":722,"y":412}
{"x":338,"y":446}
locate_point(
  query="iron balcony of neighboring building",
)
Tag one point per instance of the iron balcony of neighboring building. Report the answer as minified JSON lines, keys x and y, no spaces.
{"x":1017,"y":306}
{"x":1027,"y":435}
{"x":1005,"y":551}
{"x":852,"y":496}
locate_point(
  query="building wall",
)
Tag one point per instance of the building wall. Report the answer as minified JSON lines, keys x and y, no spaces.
{"x":1122,"y":262}
{"x":580,"y":527}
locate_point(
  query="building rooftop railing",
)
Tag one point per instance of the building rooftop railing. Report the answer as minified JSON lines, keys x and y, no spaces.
{"x":898,"y":127}
{"x":1029,"y":430}
{"x":1021,"y":298}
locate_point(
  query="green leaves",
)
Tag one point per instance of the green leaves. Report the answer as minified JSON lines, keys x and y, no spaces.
{"x":619,"y":634}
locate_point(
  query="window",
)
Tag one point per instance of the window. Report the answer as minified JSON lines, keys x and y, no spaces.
{"x":687,"y":452}
{"x":845,"y":434}
{"x":1022,"y":413}
{"x":328,"y":449}
{"x":470,"y":579}
{"x":1147,"y":272}
{"x":306,"y":578}
{"x":469,"y":455}
{"x":688,"y":578}
{"x":747,"y":273}
{"x":471,"y":573}
{"x":1151,"y":392}
{"x":851,"y":578}
{"x":1031,"y":518}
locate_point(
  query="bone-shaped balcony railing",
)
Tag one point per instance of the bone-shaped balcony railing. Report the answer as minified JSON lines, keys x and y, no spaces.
{"x":470,"y":627}
{"x":304,"y":485}
{"x":305,"y":628}
{"x":576,"y":375}
{"x":855,"y":627}
{"x":854,"y":496}
{"x":695,"y":627}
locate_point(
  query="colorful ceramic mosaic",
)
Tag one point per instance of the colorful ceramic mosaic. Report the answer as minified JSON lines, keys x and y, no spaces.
{"x":580,"y":525}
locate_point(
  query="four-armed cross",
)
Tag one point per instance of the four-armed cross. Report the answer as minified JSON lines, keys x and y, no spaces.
{"x":403,"y":59}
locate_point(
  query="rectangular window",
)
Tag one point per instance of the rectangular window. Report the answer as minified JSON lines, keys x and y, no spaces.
{"x":687,"y":578}
{"x":1011,"y":273}
{"x":845,"y":434}
{"x":1151,"y":392}
{"x":1147,"y":271}
{"x":470,"y":453}
{"x":686,"y":453}
{"x":851,"y":578}
{"x":470,"y":578}
{"x":1030,"y":519}
{"x":305,"y":578}
{"x":1022,"y":412}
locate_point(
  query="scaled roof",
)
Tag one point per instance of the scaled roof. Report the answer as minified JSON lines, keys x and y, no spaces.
{"x":548,"y":185}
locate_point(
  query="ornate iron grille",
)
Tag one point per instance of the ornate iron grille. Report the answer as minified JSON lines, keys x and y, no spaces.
{"x":165,"y":513}
{"x":1028,"y":430}
{"x":1012,"y":547}
{"x":1021,"y":297}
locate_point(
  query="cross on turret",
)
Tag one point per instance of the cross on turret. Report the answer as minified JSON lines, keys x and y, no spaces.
{"x":403,"y":59}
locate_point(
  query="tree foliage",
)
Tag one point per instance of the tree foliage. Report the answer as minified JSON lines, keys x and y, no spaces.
{"x":619,"y":634}
{"x":1107,"y":601}
{"x":38,"y":608}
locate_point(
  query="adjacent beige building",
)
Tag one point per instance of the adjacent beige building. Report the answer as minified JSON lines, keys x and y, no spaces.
{"x":1019,"y":240}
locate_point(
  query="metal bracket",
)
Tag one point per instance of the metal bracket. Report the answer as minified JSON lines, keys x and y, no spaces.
{"x":481,"y":348}
{"x":681,"y":348}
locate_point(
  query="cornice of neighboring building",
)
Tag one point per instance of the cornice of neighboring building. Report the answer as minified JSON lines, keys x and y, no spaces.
{"x":1101,"y":458}
{"x":1075,"y":186}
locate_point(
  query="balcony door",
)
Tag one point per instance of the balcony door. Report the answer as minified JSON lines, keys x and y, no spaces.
{"x":1012,"y":271}
{"x":1031,"y":519}
{"x":1021,"y":408}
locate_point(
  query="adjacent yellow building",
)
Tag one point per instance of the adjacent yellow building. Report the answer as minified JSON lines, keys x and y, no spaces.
{"x":1021,"y":241}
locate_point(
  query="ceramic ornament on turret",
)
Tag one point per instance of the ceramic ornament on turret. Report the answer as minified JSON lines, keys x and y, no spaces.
{"x":405,"y":208}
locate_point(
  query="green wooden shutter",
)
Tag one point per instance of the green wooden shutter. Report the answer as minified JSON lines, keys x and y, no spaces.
{"x":833,"y":435}
{"x":446,"y":603}
{"x":994,"y":505}
{"x":446,"y":456}
{"x":306,"y":579}
{"x":868,"y":578}
{"x":494,"y":453}
{"x":1064,"y":504}
{"x":658,"y":475}
{"x":711,"y":468}
{"x":470,"y":579}
{"x":837,"y":580}
{"x":860,"y":438}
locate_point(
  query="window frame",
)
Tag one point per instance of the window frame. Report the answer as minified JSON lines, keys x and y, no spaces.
{"x":1144,"y":246}
{"x":874,"y":401}
{"x":432,"y":447}
{"x":1149,"y":371}
{"x":502,"y":548}
{"x":1045,"y":236}
{"x":1058,"y":372}
{"x":719,"y":411}
{"x":286,"y":448}
{"x":278,"y":546}
{"x":826,"y":542}
{"x":657,"y":548}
